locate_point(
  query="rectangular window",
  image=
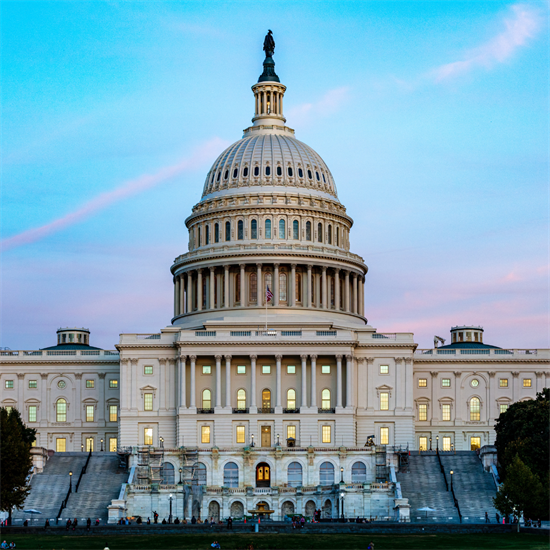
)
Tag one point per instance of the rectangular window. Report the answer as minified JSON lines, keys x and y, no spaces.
{"x":384,"y":401}
{"x":113,"y":384}
{"x":113,"y":413}
{"x":33,"y":383}
{"x":445,"y":382}
{"x":291,"y":432}
{"x":291,"y":369}
{"x":148,"y":436}
{"x":241,"y":369}
{"x":503,"y":408}
{"x":423,"y":444}
{"x":205,"y":434}
{"x":422,"y":412}
{"x":90,"y":383}
{"x":446,"y":443}
{"x":475,"y":443}
{"x":206,"y":369}
{"x":446,"y":412}
{"x":422,"y":382}
{"x":325,"y":369}
{"x":148,"y":369}
{"x":526,"y":382}
{"x":9,"y":384}
{"x":113,"y":444}
{"x":326,"y":434}
{"x":384,"y":436}
{"x":240,"y":434}
{"x":60,"y":445}
{"x":89,"y":444}
{"x":33,"y":444}
{"x":503,"y":382}
{"x":384,"y":369}
{"x":32,"y":413}
{"x":266,"y":369}
{"x":89,"y":413}
{"x":148,"y":402}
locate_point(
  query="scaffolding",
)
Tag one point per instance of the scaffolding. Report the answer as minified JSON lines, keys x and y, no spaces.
{"x":381,"y":466}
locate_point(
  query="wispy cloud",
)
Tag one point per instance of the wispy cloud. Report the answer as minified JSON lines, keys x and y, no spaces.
{"x":202,"y":154}
{"x":327,"y":104}
{"x":520,"y":26}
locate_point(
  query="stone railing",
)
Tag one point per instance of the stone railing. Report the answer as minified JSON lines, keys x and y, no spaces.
{"x":59,"y":352}
{"x":491,"y":352}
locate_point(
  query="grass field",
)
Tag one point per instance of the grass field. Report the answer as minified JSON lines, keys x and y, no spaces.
{"x":285,"y":542}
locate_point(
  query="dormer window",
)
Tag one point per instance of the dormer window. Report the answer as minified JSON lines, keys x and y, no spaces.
{"x":219,"y":176}
{"x":324,"y":180}
{"x":268,"y":170}
{"x":290,"y":171}
{"x":300,"y":173}
{"x":279,"y":171}
{"x":235,"y":172}
{"x":309,"y":175}
{"x":226,"y":175}
{"x":245,"y":172}
{"x":256,"y":170}
{"x":317,"y":176}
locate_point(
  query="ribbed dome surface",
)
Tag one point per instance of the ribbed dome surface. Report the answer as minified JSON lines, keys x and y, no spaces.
{"x":269,"y":159}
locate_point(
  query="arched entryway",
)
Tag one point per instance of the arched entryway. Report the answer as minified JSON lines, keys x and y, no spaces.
{"x":287,"y":509}
{"x":263,"y":475}
{"x":327,"y":509}
{"x":310,"y":508}
{"x":214,"y":511}
{"x":237,"y":510}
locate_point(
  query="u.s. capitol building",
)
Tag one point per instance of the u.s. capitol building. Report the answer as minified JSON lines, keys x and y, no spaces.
{"x":269,"y":381}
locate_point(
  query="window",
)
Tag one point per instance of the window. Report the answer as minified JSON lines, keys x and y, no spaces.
{"x":358,"y":473}
{"x":148,"y":402}
{"x":254,"y":229}
{"x":217,"y":233}
{"x":207,"y":234}
{"x":89,"y":444}
{"x":238,"y":287}
{"x":148,"y":436}
{"x":33,"y":384}
{"x":294,"y":474}
{"x":113,"y":444}
{"x":227,"y":231}
{"x":253,"y":288}
{"x":200,"y":237}
{"x":291,"y":399}
{"x":245,"y":172}
{"x":325,"y":369}
{"x":475,"y":409}
{"x":113,"y":384}
{"x":308,"y":231}
{"x":205,"y":434}
{"x":503,"y":382}
{"x":475,"y":443}
{"x":267,"y":229}
{"x":266,"y":369}
{"x":474,"y":383}
{"x":326,"y":474}
{"x":317,"y":175}
{"x":295,"y":230}
{"x":503,"y":408}
{"x":240,"y":434}
{"x":291,"y":432}
{"x":235,"y":172}
{"x":282,"y":287}
{"x":113,"y":413}
{"x":325,"y":399}
{"x":206,"y":369}
{"x":422,"y":382}
{"x":226,"y":175}
{"x":230,"y":475}
{"x":309,"y":175}
{"x":445,"y":382}
{"x":61,"y":410}
{"x":384,"y":401}
{"x":256,"y":170}
{"x":241,"y":399}
{"x":32,"y":413}
{"x":61,"y":384}
{"x":446,"y":443}
{"x":329,"y":234}
{"x":384,"y":436}
{"x":320,"y":232}
{"x":423,"y":444}
{"x":201,"y":474}
{"x":300,"y":173}
{"x":9,"y":384}
{"x":240,"y":230}
{"x":446,"y":411}
{"x":89,"y":413}
{"x":290,"y":173}
{"x":241,"y":369}
{"x":384,"y":369}
{"x":291,"y":369}
{"x":60,"y":445}
{"x":148,"y":369}
{"x":279,"y":171}
{"x":526,"y":382}
{"x":268,"y":170}
{"x":422,"y":412}
{"x":282,"y":229}
{"x":206,"y":399}
{"x":326,"y":434}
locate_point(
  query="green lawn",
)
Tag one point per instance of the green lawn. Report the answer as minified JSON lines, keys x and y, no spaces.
{"x":285,"y":542}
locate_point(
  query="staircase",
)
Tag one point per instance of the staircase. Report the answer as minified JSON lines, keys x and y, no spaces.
{"x":474,"y":488}
{"x":423,"y":484}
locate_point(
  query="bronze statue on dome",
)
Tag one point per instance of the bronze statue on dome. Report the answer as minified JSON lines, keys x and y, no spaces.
{"x":269,"y":44}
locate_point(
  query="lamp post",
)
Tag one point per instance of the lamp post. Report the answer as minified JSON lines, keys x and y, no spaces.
{"x":170,"y":498}
{"x":278,"y":442}
{"x":342,"y":505}
{"x":82,"y":447}
{"x":181,"y":482}
{"x":437,"y":443}
{"x":70,"y":482}
{"x":453,"y":448}
{"x":252,"y":443}
{"x":452,"y":481}
{"x":101,"y":444}
{"x":161,"y":442}
{"x":342,"y":474}
{"x":430,"y":443}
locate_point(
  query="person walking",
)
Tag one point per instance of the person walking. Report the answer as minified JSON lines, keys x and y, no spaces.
{"x":230,"y":523}
{"x":487,"y":518}
{"x":88,"y":524}
{"x":498,"y":517}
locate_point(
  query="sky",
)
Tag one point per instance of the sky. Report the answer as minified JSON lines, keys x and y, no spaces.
{"x":432,"y":116}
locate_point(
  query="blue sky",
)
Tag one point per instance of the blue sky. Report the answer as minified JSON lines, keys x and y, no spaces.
{"x":433,"y":117}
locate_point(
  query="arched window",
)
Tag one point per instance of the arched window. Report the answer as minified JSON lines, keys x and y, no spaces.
{"x":325,"y":399}
{"x":241,"y":400}
{"x":291,"y":399}
{"x":238,"y":287}
{"x":282,"y":287}
{"x":308,"y":231}
{"x":219,"y":176}
{"x":240,"y":230}
{"x":199,"y":233}
{"x":254,"y":229}
{"x":226,"y":175}
{"x":358,"y":473}
{"x":294,"y":474}
{"x":295,"y":230}
{"x":475,"y":409}
{"x":279,"y":171}
{"x":245,"y":172}
{"x":290,"y":171}
{"x":199,"y":477}
{"x":268,"y":279}
{"x":212,"y":178}
{"x":235,"y":172}
{"x":230,"y":475}
{"x":263,"y":475}
{"x":256,"y":170}
{"x":207,"y":234}
{"x":282,"y":229}
{"x":206,"y":399}
{"x":217,"y":233}
{"x":253,"y":288}
{"x":167,"y":473}
{"x":298,"y":289}
{"x":329,"y":234}
{"x":266,"y":399}
{"x":326,"y":474}
{"x":309,"y":175}
{"x":324,"y":180}
{"x":61,"y":410}
{"x":268,"y":229}
{"x":300,"y":172}
{"x":317,"y":175}
{"x":227,"y":231}
{"x":337,"y":237}
{"x":268,"y":170}
{"x":320,"y":232}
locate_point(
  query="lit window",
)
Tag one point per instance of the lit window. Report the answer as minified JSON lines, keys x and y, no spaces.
{"x":60,"y":445}
{"x":113,"y":413}
{"x":291,"y":432}
{"x":291,"y":399}
{"x":32,"y":413}
{"x":33,"y":444}
{"x":474,"y":383}
{"x":206,"y":399}
{"x":475,"y":408}
{"x":148,"y":402}
{"x":446,"y":382}
{"x":422,"y":412}
{"x":384,"y":401}
{"x":446,"y":412}
{"x":266,"y":369}
{"x":113,"y":384}
{"x":384,"y":436}
{"x":241,"y":369}
{"x":266,"y":399}
{"x":422,"y":382}
{"x":475,"y":443}
{"x":61,"y":410}
{"x":384,"y":369}
{"x":90,"y":383}
{"x":526,"y":382}
{"x":205,"y":434}
{"x":326,"y":434}
{"x":503,"y":408}
{"x":423,"y":444}
{"x":89,"y":413}
{"x":446,"y":443}
{"x":148,"y":436}
{"x":325,"y":399}
{"x":113,"y":444}
{"x":240,"y":434}
{"x":325,"y":369}
{"x":291,"y":369}
{"x":207,"y":369}
{"x":33,"y":383}
{"x":9,"y":384}
{"x":503,"y":382}
{"x":148,"y":369}
{"x":241,"y":399}
{"x":89,"y":444}
{"x":8,"y":409}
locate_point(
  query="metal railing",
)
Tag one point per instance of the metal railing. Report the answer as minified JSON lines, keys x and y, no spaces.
{"x":266,"y":410}
{"x":205,"y":411}
{"x":244,"y":410}
{"x":291,"y":411}
{"x":442,"y":470}
{"x":330,"y":410}
{"x":207,"y":333}
{"x":83,"y":471}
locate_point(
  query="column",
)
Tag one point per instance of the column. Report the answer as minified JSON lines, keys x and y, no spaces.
{"x":218,"y":381}
{"x":226,"y":285}
{"x":346,"y":285}
{"x":324,"y":285}
{"x":338,"y":381}
{"x":349,"y":381}
{"x":212,"y":293}
{"x":182,"y":295}
{"x":189,"y":292}
{"x":457,"y":403}
{"x":354,"y":304}
{"x":243,"y":286}
{"x":433,"y":412}
{"x":192,"y":402}
{"x":292,"y":285}
{"x":313,"y":359}
{"x":539,"y":376}
{"x":337,"y":289}
{"x":252,"y":399}
{"x":259,"y":285}
{"x":362,"y":296}
{"x":317,"y":290}
{"x":101,"y":404}
{"x":491,"y":412}
{"x":309,"y":290}
{"x":176,"y":294}
{"x":228,"y":381}
{"x":276,"y":285}
{"x":515,"y":387}
{"x":304,"y":381}
{"x":181,"y":380}
{"x":278,"y":402}
{"x":199,"y":289}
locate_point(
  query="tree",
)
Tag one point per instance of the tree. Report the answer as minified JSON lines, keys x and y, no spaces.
{"x":15,"y":459}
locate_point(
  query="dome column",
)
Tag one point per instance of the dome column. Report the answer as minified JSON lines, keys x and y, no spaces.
{"x":346,"y":286}
{"x":260,"y":291}
{"x":276,"y":285}
{"x":189,"y":292}
{"x":324,"y":284}
{"x":243,"y":285}
{"x":292,"y":285}
{"x":212,"y":293}
{"x":337,"y":289}
{"x":226,"y":286}
{"x":199,"y":289}
{"x":176,"y":294}
{"x":362,"y":297}
{"x":354,"y":276}
{"x":309,"y":289}
{"x":182,"y":295}
{"x":338,"y":381}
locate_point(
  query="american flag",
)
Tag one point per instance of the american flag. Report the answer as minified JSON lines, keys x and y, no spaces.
{"x":268,"y":295}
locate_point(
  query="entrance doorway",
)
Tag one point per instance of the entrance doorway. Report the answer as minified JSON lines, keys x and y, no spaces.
{"x":263,"y":475}
{"x":266,"y":436}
